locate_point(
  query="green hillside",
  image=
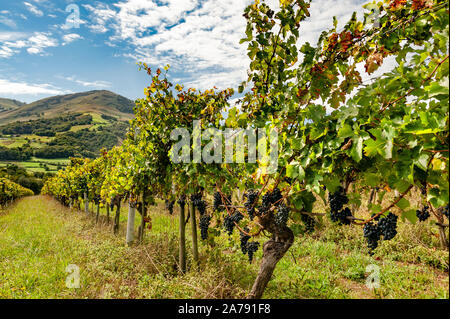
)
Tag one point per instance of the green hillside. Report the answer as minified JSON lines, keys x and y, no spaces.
{"x":97,"y":101}
{"x":41,"y":136}
{"x":72,"y":134}
{"x":8,"y":104}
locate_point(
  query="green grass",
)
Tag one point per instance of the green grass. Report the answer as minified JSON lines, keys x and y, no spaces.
{"x":39,"y":238}
{"x":32,"y":166}
{"x":37,"y":164}
{"x":19,"y":141}
{"x":97,"y":118}
{"x":77,"y":128}
{"x":41,"y":139}
{"x":14,"y":142}
{"x":56,"y":161}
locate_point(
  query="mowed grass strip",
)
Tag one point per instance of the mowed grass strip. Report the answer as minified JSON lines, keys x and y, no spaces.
{"x":39,"y":238}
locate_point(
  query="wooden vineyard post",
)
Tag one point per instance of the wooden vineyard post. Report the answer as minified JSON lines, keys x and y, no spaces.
{"x":98,"y":212}
{"x":86,"y":204}
{"x":130,"y":223}
{"x":182,"y":259}
{"x":142,"y":227}
{"x":107,"y":213}
{"x":194,"y":231}
{"x":117,"y":218}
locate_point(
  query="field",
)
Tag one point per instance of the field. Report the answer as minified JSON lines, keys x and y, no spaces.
{"x":40,"y":165}
{"x":39,"y":238}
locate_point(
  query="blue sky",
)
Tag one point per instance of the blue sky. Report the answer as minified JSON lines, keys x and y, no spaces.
{"x":43,"y":52}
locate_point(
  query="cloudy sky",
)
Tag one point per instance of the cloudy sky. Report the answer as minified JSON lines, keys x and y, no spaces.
{"x":45,"y":49}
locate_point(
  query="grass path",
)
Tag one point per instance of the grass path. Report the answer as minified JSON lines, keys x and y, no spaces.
{"x":39,"y":239}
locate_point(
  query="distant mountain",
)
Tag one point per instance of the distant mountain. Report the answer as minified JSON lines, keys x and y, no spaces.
{"x":8,"y":104}
{"x":98,"y":101}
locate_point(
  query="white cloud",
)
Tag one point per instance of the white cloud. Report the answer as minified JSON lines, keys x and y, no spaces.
{"x":8,"y":22}
{"x":33,"y":9}
{"x":10,"y":88}
{"x":12,"y":36}
{"x":200,"y":38}
{"x":6,"y":52}
{"x":33,"y":50}
{"x":39,"y":41}
{"x":102,"y":14}
{"x":10,"y":42}
{"x":94,"y":84}
{"x":68,"y":38}
{"x":195,"y":37}
{"x":35,"y":42}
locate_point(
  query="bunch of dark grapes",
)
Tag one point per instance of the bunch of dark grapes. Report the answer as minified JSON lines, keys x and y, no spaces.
{"x":266,"y":199}
{"x":170,"y":207}
{"x":229,"y":221}
{"x":337,"y":200}
{"x":251,"y":249}
{"x":423,"y":190}
{"x":204,"y":225}
{"x":445,"y":211}
{"x":249,"y":205}
{"x":228,"y":224}
{"x":423,"y":214}
{"x":341,"y":216}
{"x":196,"y":198}
{"x":388,"y":226}
{"x":372,"y":234}
{"x":201,"y":206}
{"x":272,"y":197}
{"x":263,"y":210}
{"x":276,"y":196}
{"x":199,"y":203}
{"x":218,"y":202}
{"x":309,"y":222}
{"x":182,"y":201}
{"x":282,"y":215}
{"x":244,"y":240}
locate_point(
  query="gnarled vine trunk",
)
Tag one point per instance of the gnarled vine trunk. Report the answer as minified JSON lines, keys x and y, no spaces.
{"x":273,"y":250}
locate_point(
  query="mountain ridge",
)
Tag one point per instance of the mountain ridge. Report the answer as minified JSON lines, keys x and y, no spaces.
{"x":96,"y":101}
{"x":9,"y":104}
